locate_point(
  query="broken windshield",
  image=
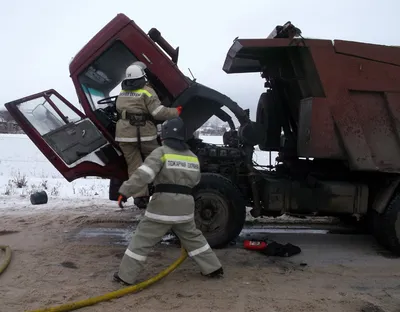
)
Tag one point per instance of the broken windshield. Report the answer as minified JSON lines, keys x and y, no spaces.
{"x":103,"y":77}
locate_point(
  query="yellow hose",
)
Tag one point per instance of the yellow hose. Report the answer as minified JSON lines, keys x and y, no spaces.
{"x":7,"y":258}
{"x":118,"y":293}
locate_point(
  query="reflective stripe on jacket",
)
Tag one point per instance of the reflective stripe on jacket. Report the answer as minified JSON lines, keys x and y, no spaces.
{"x":141,"y":101}
{"x":166,"y":166}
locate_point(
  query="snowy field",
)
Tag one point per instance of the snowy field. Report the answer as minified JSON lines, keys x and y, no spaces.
{"x":24,"y":169}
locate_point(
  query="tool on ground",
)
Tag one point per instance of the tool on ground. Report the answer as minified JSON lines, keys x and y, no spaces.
{"x":272,"y":248}
{"x":254,"y":245}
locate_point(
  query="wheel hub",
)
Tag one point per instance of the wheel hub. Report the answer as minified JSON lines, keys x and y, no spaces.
{"x":207,"y":214}
{"x":211,"y":213}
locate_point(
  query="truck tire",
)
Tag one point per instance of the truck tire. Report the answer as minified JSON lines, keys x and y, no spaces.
{"x":374,"y":226}
{"x":39,"y":198}
{"x":268,"y":116}
{"x":220,"y":210}
{"x":387,"y":226}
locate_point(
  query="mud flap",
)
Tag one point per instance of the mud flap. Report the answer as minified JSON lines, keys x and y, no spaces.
{"x":113,"y":189}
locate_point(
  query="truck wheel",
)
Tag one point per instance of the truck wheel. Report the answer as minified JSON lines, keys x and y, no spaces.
{"x":374,"y":226}
{"x":39,"y":198}
{"x":220,"y":210}
{"x":387,"y":226}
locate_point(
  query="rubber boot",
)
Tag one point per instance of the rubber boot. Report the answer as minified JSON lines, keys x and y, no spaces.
{"x":216,"y":274}
{"x":120,"y":280}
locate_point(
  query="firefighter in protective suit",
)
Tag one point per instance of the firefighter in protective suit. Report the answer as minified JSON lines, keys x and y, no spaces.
{"x":175,"y":170}
{"x":137,"y":104}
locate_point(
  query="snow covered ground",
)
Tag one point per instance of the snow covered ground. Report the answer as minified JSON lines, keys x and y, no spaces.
{"x":24,"y":169}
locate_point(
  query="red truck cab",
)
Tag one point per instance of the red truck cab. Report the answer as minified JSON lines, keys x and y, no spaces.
{"x":82,"y":144}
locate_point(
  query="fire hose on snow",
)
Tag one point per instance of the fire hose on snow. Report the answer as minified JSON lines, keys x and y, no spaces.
{"x":109,"y":296}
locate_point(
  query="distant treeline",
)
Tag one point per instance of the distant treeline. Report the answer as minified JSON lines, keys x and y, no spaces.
{"x":7,"y":123}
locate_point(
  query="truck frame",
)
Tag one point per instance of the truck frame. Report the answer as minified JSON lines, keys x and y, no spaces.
{"x":331,"y":110}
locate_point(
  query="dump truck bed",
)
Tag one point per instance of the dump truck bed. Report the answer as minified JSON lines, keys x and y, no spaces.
{"x":349,"y":103}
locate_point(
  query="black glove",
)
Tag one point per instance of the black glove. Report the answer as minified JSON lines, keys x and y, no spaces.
{"x":121,"y":199}
{"x":141,"y":202}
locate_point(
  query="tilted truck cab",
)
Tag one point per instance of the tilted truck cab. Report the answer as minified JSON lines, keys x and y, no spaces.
{"x":330,"y":110}
{"x":81,"y":143}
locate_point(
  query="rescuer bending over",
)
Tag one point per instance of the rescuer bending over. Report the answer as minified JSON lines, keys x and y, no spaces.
{"x":137,"y":104}
{"x":175,"y":170}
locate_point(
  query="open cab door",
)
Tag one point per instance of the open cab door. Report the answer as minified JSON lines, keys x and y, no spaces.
{"x":67,"y":137}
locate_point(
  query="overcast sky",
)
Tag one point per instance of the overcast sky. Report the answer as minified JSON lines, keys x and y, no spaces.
{"x":40,"y":37}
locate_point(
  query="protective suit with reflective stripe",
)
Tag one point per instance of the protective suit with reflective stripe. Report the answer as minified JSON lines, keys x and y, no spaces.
{"x":142,"y":101}
{"x":136,"y":133}
{"x":165,"y":166}
{"x":174,"y":170}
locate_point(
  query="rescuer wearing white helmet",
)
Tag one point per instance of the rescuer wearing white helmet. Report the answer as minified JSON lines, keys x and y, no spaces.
{"x":174,"y":171}
{"x":137,"y":105}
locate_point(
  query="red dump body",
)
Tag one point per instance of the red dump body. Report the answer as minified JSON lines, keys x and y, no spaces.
{"x":349,"y":106}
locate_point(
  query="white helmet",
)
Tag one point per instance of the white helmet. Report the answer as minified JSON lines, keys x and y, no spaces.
{"x":134,"y":72}
{"x":140,"y":64}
